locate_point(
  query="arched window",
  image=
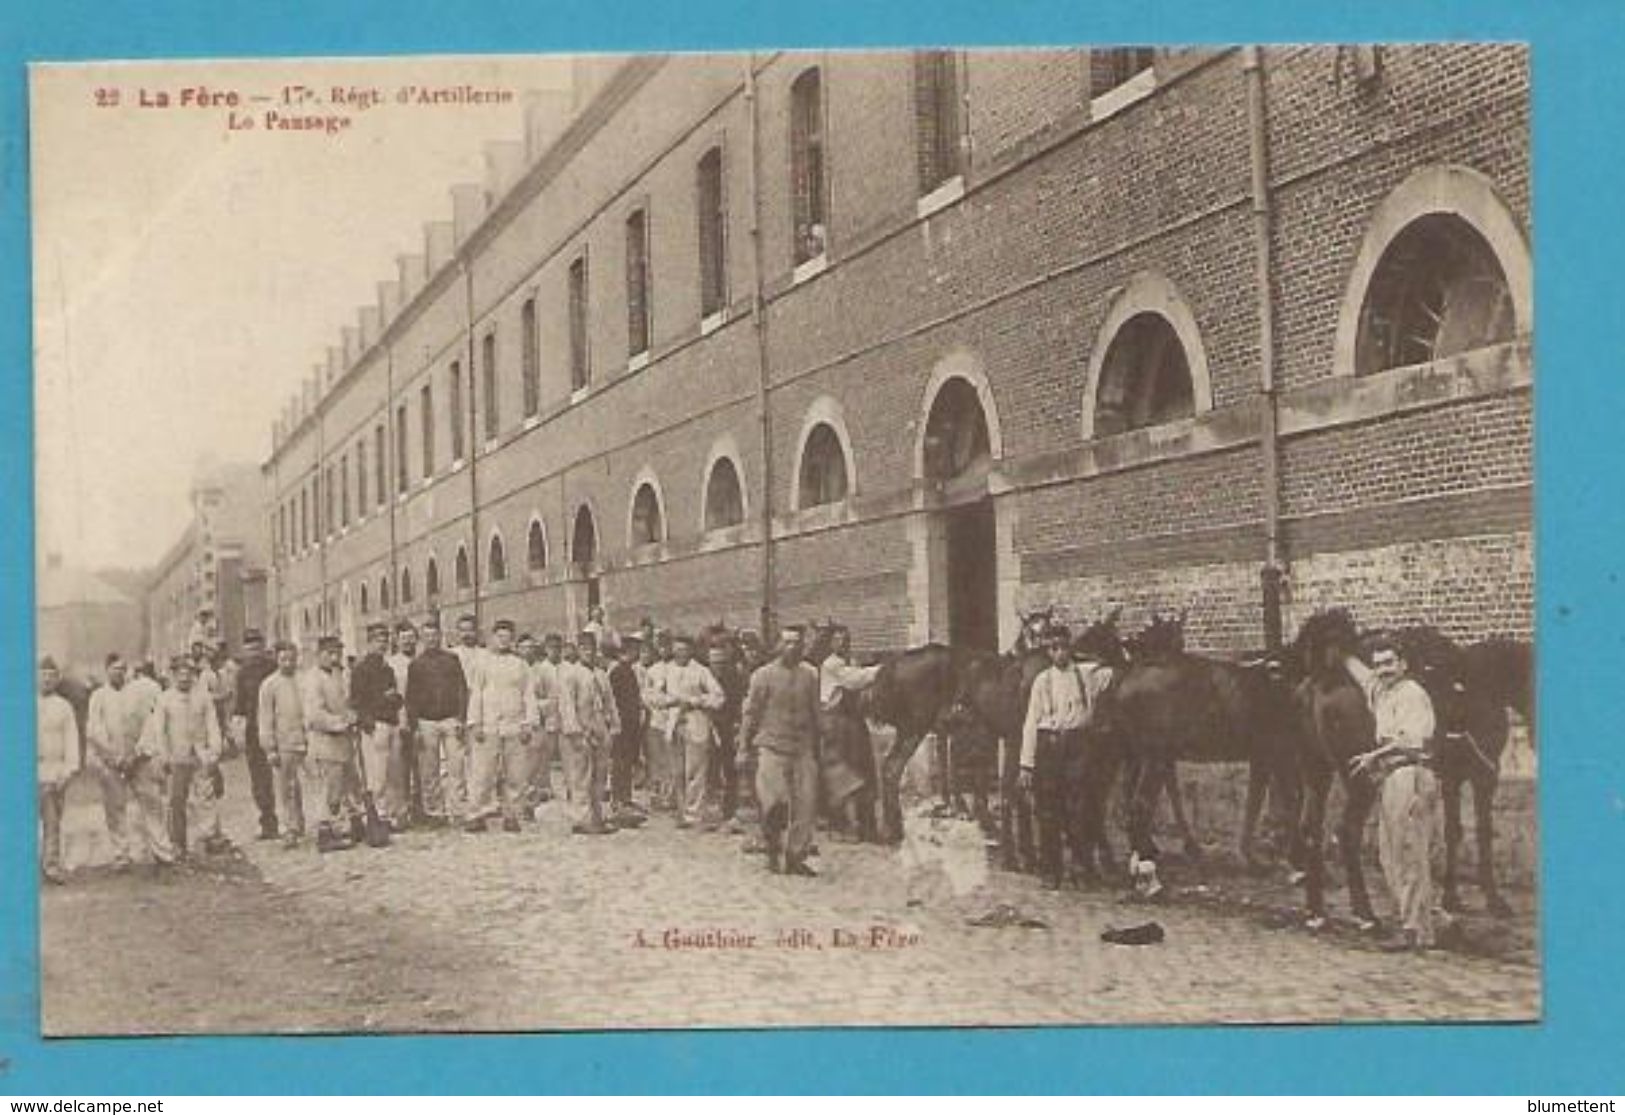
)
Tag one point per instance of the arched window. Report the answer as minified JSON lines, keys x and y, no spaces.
{"x":584,"y":538}
{"x":364,"y":602}
{"x":823,"y":468}
{"x":383,"y":592}
{"x":1145,"y":379}
{"x":460,"y":569}
{"x":431,"y":581}
{"x":646,"y":519}
{"x":724,"y":498}
{"x":496,"y":560}
{"x":536,"y":547}
{"x":956,"y":434}
{"x":406,"y":582}
{"x":808,"y":204}
{"x":1438,"y":290}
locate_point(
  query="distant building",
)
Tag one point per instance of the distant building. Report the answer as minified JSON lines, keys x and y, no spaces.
{"x":83,"y":618}
{"x":211,"y":584}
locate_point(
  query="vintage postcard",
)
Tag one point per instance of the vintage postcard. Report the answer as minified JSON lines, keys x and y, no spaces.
{"x":813,"y":538}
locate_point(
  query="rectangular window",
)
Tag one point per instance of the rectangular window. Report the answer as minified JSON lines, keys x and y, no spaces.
{"x":811,"y":231}
{"x":426,"y":413}
{"x":488,"y":357}
{"x":713,"y":224}
{"x":637,"y":283}
{"x":330,"y":504}
{"x":344,"y":490}
{"x":361,"y":478}
{"x":403,"y":476}
{"x":580,"y":366}
{"x":936,"y":117}
{"x":454,"y":392}
{"x":530,"y":358}
{"x":304,"y":521}
{"x":380,"y":454}
{"x":1112,"y":67}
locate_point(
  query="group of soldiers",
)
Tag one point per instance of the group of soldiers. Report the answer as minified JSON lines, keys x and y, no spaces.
{"x":435,"y":729}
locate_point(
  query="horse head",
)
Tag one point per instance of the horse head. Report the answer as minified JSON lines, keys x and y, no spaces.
{"x":1163,"y":638}
{"x":1440,"y":665}
{"x":1324,"y":641}
{"x":1102,"y":642}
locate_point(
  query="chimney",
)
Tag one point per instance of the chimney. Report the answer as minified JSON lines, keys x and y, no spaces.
{"x":468,"y":205}
{"x":547,"y":114}
{"x":389,"y":302}
{"x":351,"y":335}
{"x":412,"y":275}
{"x":370,"y":327}
{"x":504,"y":163}
{"x":439,"y":244}
{"x":335,"y":364}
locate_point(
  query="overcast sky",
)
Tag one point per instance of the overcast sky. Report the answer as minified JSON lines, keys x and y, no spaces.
{"x":187,"y":277}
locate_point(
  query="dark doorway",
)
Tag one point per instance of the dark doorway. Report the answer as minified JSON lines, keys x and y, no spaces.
{"x":973,"y":583}
{"x":964,"y":565}
{"x":584,"y":552}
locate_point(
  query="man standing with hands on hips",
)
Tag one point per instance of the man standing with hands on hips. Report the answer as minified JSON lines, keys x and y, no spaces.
{"x":781,"y":730}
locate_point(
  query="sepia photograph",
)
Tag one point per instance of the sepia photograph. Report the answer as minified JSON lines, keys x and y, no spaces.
{"x":804,"y":538}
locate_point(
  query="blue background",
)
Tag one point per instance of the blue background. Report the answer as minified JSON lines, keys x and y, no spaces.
{"x":1579,"y":118}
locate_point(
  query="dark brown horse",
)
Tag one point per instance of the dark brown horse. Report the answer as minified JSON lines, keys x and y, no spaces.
{"x":1168,"y":706}
{"x":990,"y":710}
{"x":913,"y":693}
{"x":1472,"y":689}
{"x":1337,"y":726}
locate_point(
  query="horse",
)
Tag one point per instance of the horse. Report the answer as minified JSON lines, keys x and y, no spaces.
{"x":1337,"y":726}
{"x":1472,"y":689}
{"x":991,"y":707}
{"x":1168,"y":705}
{"x":913,"y":693}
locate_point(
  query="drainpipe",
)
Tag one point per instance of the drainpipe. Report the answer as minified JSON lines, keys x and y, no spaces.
{"x":1264,"y":282}
{"x":473,"y":445}
{"x":758,"y":318}
{"x":392,"y":576}
{"x":321,"y":521}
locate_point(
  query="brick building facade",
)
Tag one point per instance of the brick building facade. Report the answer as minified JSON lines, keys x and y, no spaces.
{"x":212,"y":582}
{"x":920,"y":341}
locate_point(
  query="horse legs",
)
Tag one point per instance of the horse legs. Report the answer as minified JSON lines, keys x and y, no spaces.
{"x":1257,"y":780}
{"x":1018,"y":811}
{"x":945,"y":769}
{"x":1311,"y":839}
{"x":1484,"y":827}
{"x":1147,"y":783}
{"x":1009,"y":790}
{"x":1361,"y":796}
{"x":1450,"y":789}
{"x":891,"y":781}
{"x":1093,"y":801}
{"x":1176,"y":801}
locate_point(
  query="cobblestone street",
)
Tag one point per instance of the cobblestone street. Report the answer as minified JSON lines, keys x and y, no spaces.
{"x":542,"y":930}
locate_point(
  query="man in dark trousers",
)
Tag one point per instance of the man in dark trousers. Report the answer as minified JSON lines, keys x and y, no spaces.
{"x":628,"y":692}
{"x":436,"y":703}
{"x":256,"y":666}
{"x":720,"y":657}
{"x":377,"y":705}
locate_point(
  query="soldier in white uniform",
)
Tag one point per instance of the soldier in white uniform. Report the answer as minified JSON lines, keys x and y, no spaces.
{"x":501,"y":713}
{"x":118,"y":716}
{"x":58,"y":762}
